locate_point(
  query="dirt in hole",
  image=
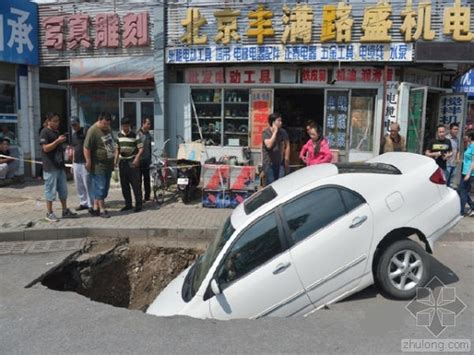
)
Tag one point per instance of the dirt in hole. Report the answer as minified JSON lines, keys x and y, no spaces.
{"x":120,"y":273}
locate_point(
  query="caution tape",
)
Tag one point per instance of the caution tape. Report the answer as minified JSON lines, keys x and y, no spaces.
{"x":28,"y":160}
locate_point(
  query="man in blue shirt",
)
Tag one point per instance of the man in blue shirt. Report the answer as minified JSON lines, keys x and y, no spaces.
{"x":467,"y":176}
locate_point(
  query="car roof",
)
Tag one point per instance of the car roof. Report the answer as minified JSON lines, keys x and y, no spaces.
{"x":386,"y":166}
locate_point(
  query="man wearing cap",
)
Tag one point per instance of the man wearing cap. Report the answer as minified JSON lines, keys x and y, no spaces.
{"x":81,"y":175}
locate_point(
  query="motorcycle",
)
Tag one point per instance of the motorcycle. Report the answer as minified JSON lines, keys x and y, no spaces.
{"x":188,"y":176}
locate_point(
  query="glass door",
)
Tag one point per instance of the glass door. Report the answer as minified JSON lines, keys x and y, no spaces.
{"x":416,"y":119}
{"x":136,"y":110}
{"x":129,"y":109}
{"x":361,"y":124}
{"x":337,"y":108}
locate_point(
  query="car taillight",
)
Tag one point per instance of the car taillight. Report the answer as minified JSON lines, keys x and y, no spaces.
{"x":438,"y":177}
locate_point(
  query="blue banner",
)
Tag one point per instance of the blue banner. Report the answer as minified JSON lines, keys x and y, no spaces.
{"x":465,"y":84}
{"x":19,"y":32}
{"x":355,"y":52}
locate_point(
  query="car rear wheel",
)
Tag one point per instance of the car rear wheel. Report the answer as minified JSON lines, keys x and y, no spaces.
{"x":402,"y":267}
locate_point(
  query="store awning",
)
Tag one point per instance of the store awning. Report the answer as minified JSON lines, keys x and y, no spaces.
{"x":111,"y":70}
{"x":465,"y":84}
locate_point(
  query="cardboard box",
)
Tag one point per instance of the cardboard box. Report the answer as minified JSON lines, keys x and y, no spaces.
{"x":243,"y":178}
{"x":237,"y":197}
{"x":216,"y":199}
{"x":216,"y":177}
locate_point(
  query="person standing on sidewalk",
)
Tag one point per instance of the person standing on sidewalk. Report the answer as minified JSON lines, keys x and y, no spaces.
{"x":54,"y":175}
{"x":81,"y":175}
{"x":145,"y":161}
{"x":440,"y":148}
{"x":99,"y":156}
{"x":454,"y":160}
{"x":127,"y":157}
{"x":275,"y":149}
{"x":467,"y":176}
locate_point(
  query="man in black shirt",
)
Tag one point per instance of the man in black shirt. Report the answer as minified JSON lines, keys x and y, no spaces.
{"x":81,"y":175}
{"x":275,"y":149}
{"x":52,"y":156}
{"x":145,"y":161}
{"x":440,"y":148}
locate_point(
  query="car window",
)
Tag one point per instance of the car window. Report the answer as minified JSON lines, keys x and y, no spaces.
{"x":256,"y":245}
{"x":313,"y":211}
{"x":258,"y":199}
{"x":351,"y":199}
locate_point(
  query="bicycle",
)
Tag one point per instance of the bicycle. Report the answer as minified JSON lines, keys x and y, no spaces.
{"x":159,"y":174}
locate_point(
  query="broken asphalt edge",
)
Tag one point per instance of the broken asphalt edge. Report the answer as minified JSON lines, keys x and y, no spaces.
{"x":180,"y":234}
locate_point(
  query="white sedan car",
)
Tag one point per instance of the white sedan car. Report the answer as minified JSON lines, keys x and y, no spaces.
{"x":318,"y":236}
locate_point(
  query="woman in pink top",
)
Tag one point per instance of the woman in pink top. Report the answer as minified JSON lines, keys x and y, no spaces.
{"x":316,"y":150}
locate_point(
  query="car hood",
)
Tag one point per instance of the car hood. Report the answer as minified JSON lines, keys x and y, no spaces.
{"x":169,"y":302}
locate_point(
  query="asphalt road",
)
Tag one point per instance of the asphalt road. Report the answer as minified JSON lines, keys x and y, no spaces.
{"x":41,"y":321}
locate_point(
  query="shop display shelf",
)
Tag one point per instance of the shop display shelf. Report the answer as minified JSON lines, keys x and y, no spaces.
{"x":237,"y":118}
{"x":206,"y":103}
{"x":209,"y":117}
{"x":237,"y":103}
{"x":238,"y":133}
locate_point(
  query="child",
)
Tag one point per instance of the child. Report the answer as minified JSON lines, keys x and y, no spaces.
{"x":316,"y":150}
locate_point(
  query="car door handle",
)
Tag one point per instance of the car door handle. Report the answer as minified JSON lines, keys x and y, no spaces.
{"x":356,"y":222}
{"x":281,"y":267}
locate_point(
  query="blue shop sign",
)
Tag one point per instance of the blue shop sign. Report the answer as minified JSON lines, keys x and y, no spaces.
{"x":465,"y":84}
{"x":19,"y":32}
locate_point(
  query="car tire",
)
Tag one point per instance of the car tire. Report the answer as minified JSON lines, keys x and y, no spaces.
{"x":402,"y":267}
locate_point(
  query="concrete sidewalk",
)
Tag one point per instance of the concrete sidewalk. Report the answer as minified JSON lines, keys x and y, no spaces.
{"x":23,"y":212}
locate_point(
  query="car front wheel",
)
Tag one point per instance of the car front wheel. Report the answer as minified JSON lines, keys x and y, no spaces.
{"x":402,"y":267}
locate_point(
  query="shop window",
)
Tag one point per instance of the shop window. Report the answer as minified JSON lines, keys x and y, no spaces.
{"x":236,"y":117}
{"x":7,"y":98}
{"x":223,"y":116}
{"x":92,"y":101}
{"x":362,"y":120}
{"x":208,"y":108}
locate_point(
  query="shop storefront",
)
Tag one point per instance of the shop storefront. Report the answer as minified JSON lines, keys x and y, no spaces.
{"x":18,"y":61}
{"x":349,"y":66}
{"x":108,"y":50}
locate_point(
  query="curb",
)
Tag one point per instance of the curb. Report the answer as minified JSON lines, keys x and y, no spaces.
{"x":169,"y":234}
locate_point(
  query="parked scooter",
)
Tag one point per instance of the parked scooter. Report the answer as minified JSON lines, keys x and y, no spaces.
{"x":188,"y":173}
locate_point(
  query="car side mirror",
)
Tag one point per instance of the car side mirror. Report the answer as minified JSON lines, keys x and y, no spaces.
{"x":215,"y":287}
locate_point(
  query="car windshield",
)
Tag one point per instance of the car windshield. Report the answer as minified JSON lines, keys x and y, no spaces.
{"x":202,"y":265}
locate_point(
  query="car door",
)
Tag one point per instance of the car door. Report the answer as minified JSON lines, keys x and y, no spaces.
{"x":257,"y":276}
{"x":331,"y":228}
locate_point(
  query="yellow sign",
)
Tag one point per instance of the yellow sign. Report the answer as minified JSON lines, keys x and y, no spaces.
{"x":298,"y":24}
{"x":328,"y":29}
{"x":457,"y":21}
{"x":343,"y":22}
{"x":420,"y":20}
{"x":376,"y":23}
{"x":227,"y":26}
{"x":193,"y":22}
{"x":262,"y":25}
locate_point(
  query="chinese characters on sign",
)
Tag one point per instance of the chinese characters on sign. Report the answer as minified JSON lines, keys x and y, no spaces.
{"x":360,"y":74}
{"x":457,"y":21}
{"x":135,"y":31}
{"x":391,"y":103}
{"x":18,"y":32}
{"x":248,"y":75}
{"x":261,"y":106}
{"x":204,"y":75}
{"x":261,"y":26}
{"x":313,"y":75}
{"x":451,"y":108}
{"x":337,"y":23}
{"x":390,"y":52}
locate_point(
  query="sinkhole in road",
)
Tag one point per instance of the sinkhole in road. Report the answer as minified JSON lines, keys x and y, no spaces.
{"x":118,"y":272}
